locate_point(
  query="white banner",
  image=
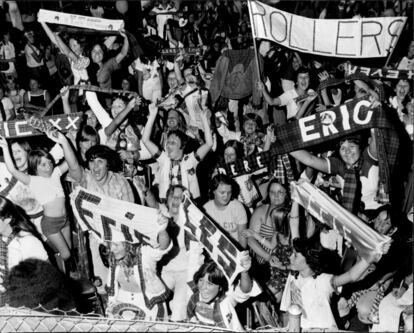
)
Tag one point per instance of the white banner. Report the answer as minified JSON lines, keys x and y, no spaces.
{"x":116,"y":220}
{"x":349,"y":38}
{"x":365,"y":239}
{"x":80,"y":21}
{"x":219,"y":246}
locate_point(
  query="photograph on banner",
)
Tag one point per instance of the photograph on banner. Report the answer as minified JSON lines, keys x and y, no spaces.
{"x":349,"y":38}
{"x":38,"y":126}
{"x":364,"y":238}
{"x":219,"y":246}
{"x":109,"y":219}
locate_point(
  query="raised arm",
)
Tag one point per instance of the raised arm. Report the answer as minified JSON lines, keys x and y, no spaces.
{"x":151,"y":146}
{"x":310,"y":160}
{"x":163,"y":236}
{"x":96,"y":107}
{"x":65,"y":100}
{"x":75,"y":170}
{"x":55,"y":39}
{"x":205,"y":148}
{"x":21,"y":176}
{"x":355,"y":272}
{"x":125,"y":47}
{"x":269,"y":99}
{"x":119,"y":119}
{"x":246,"y":282}
{"x":252,"y":234}
{"x":177,"y":69}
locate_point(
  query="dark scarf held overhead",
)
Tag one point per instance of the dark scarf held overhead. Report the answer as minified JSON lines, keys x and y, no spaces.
{"x":329,"y":125}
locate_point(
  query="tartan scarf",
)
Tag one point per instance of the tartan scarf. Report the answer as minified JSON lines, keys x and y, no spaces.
{"x":150,"y":303}
{"x":351,"y":198}
{"x":193,"y":303}
{"x":381,"y":291}
{"x":387,"y":139}
{"x":175,"y":172}
{"x":4,"y":264}
{"x":281,"y":169}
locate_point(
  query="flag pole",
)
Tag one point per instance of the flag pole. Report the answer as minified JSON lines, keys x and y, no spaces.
{"x":254,"y":38}
{"x":392,"y":48}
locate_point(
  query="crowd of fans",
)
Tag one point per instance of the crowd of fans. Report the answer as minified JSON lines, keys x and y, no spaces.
{"x":161,"y":135}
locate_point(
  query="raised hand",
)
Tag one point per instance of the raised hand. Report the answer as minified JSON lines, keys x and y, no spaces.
{"x":248,"y":233}
{"x":245,"y":261}
{"x":3,"y":142}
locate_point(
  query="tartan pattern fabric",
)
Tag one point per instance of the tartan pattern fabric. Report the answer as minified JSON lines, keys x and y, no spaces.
{"x":351,"y":197}
{"x":283,"y":171}
{"x":373,"y":315}
{"x":289,"y":137}
{"x":4,"y":263}
{"x":192,"y":306}
{"x":359,"y":76}
{"x":157,"y":299}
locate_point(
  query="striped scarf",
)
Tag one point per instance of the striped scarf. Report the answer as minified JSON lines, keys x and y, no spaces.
{"x":175,"y":173}
{"x":4,"y":263}
{"x":194,"y":304}
{"x":351,"y":198}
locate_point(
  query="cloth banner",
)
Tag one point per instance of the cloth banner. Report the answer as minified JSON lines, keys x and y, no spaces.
{"x":381,"y":73}
{"x":36,"y":126}
{"x":116,"y":220}
{"x":349,"y":38}
{"x":80,"y":21}
{"x":219,"y":246}
{"x":312,"y":130}
{"x":365,"y":239}
{"x":235,"y":76}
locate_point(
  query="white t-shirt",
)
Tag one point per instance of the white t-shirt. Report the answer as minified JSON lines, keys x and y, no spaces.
{"x":314,"y":295}
{"x":30,"y":60}
{"x":47,"y":189}
{"x":189,"y":179}
{"x":288,"y":99}
{"x":25,"y":246}
{"x":162,"y":17}
{"x":8,"y":52}
{"x":8,"y":108}
{"x":228,"y":218}
{"x":193,"y":106}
